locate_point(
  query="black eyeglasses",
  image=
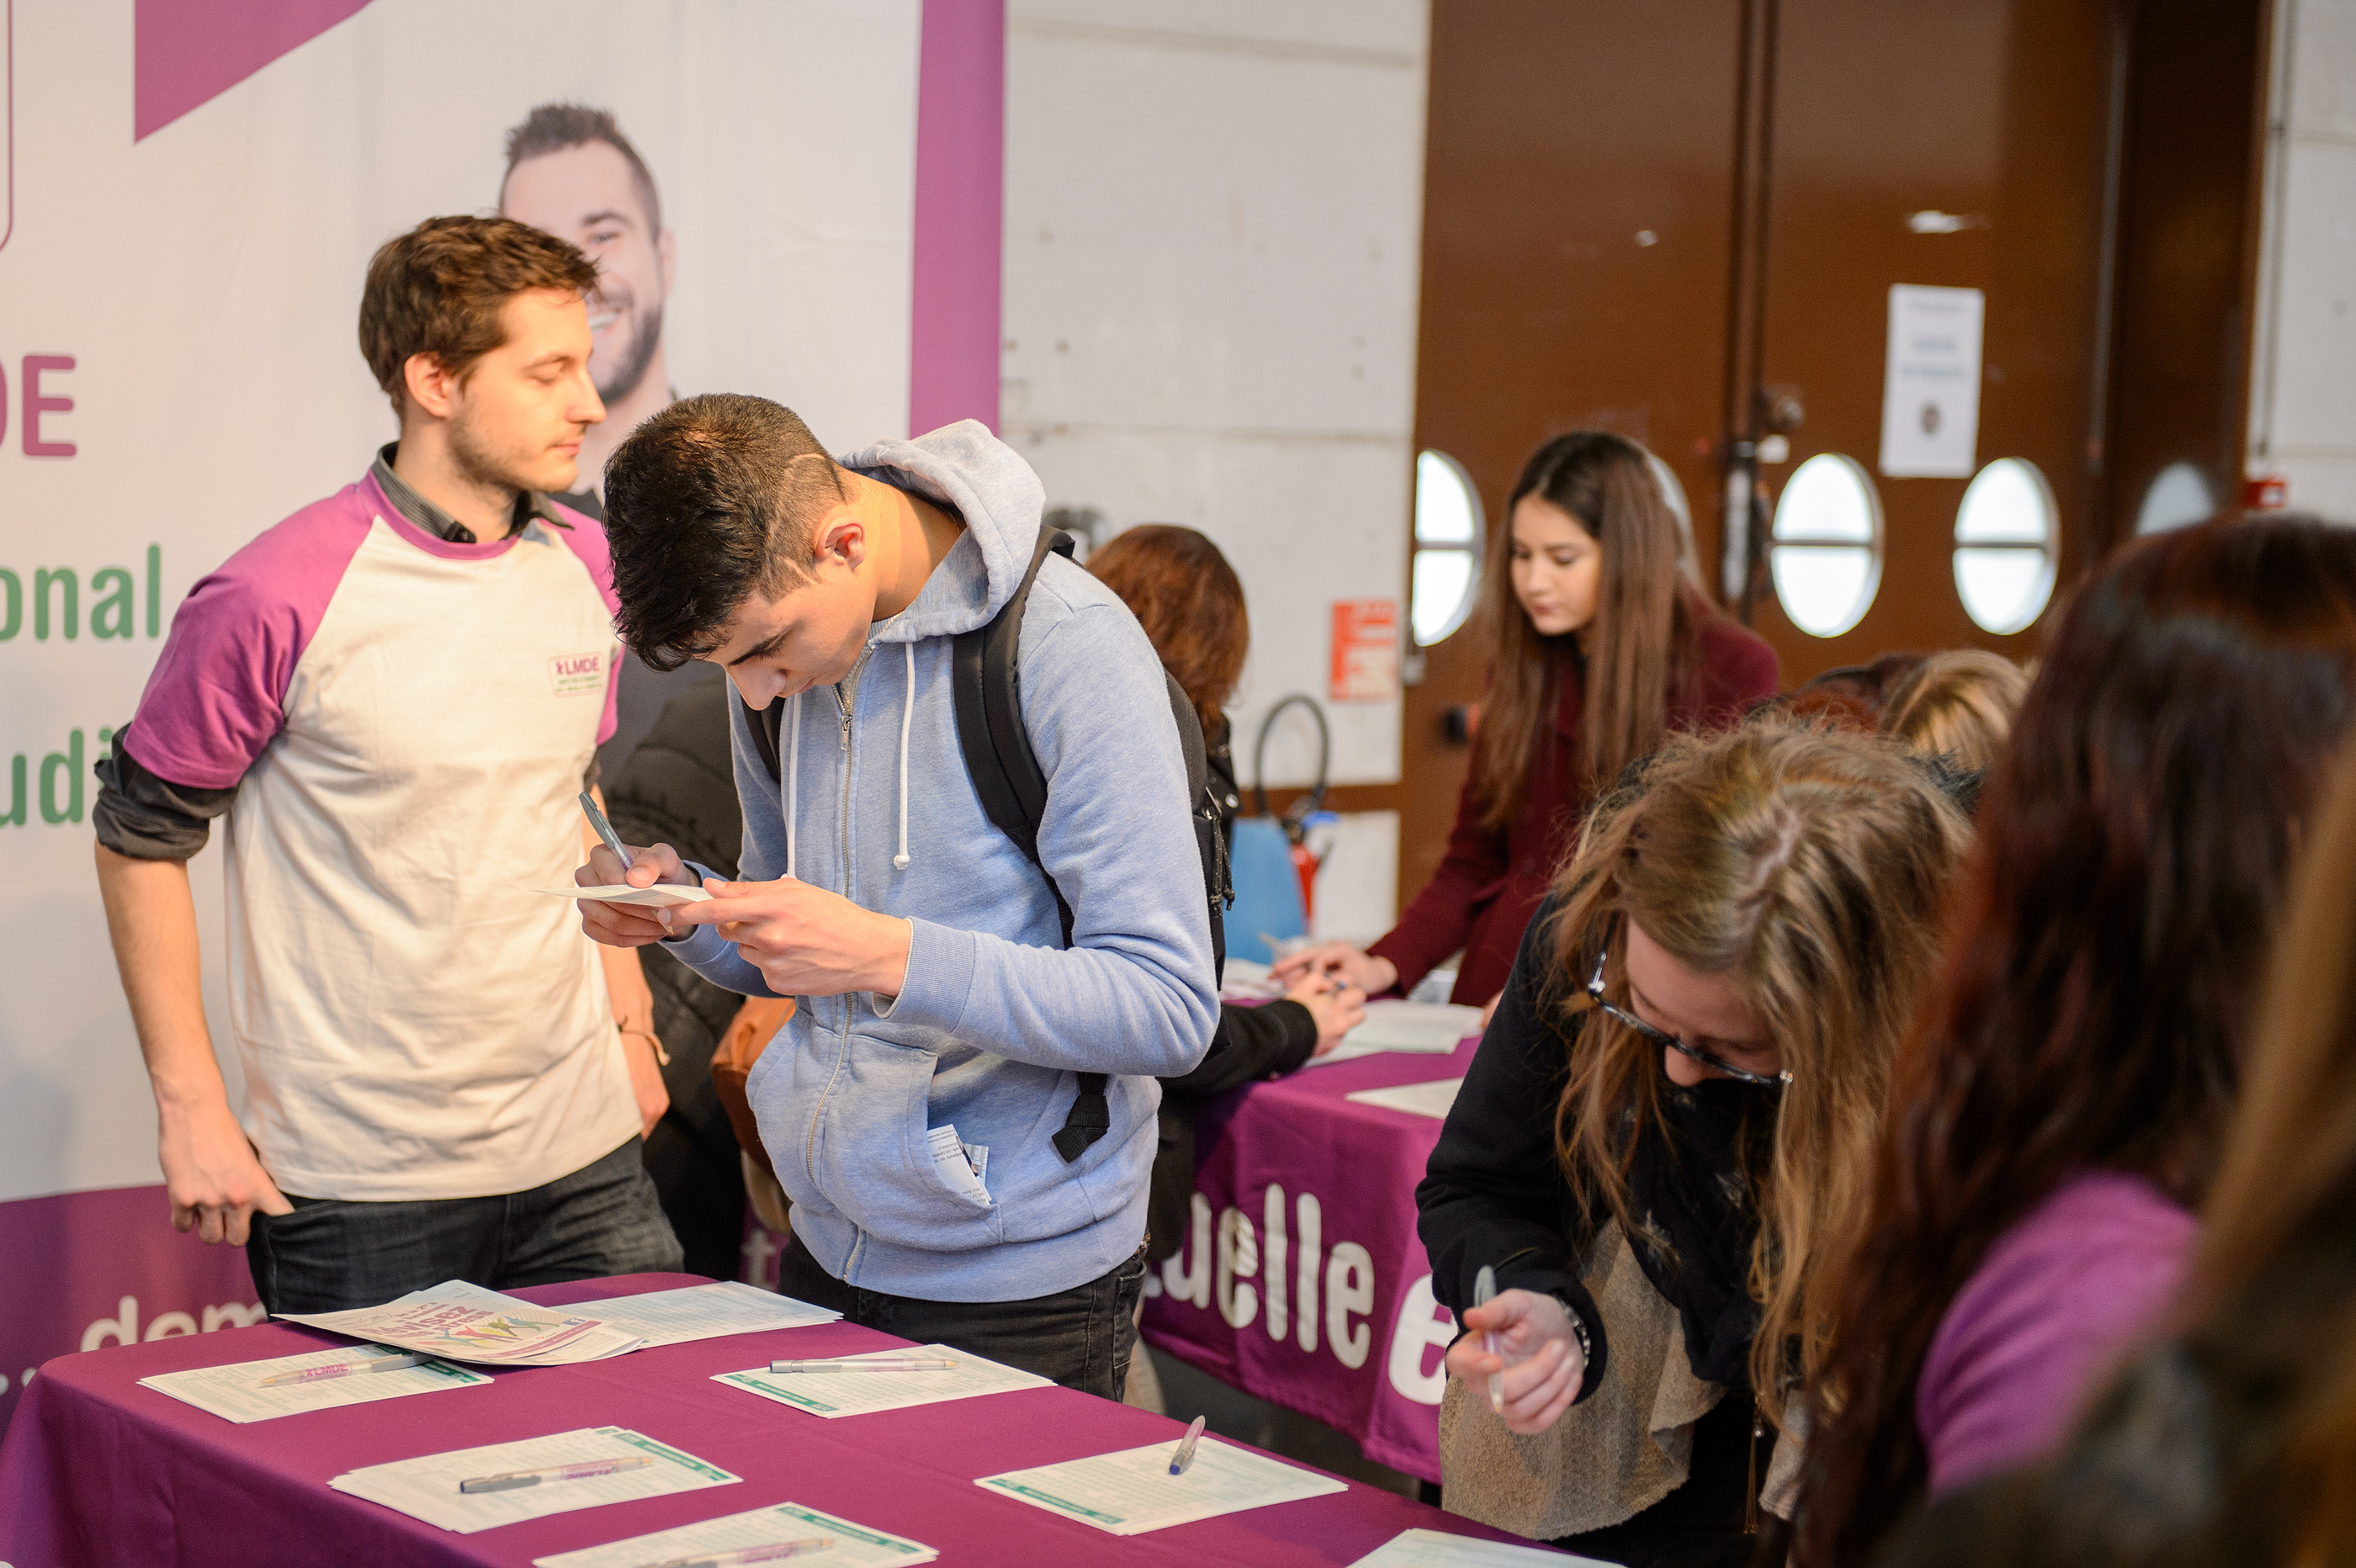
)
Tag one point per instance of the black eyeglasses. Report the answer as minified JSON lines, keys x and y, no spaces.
{"x":1629,"y":1020}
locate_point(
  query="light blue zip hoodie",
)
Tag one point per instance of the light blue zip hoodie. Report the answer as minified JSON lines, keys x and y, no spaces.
{"x":995,"y":1019}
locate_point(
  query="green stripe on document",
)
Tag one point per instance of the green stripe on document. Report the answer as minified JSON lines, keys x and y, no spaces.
{"x":775,"y":1390}
{"x":664,"y":1450}
{"x":1065,"y":1504}
{"x":843,"y":1527}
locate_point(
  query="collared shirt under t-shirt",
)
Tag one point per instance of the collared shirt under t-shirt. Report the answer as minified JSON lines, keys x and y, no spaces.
{"x":405,"y":720}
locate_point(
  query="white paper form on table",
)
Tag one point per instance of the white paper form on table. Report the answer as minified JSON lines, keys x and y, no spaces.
{"x":1432,"y":1099}
{"x":856,"y":1392}
{"x":1133,"y":1492}
{"x":427,"y":1487}
{"x":1437,"y":1549}
{"x":702,"y":1312}
{"x":234,"y":1392}
{"x":854,"y":1545}
{"x":1432,"y":1027}
{"x":456,"y":1321}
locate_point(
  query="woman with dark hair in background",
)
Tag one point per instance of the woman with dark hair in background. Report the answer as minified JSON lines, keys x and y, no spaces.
{"x":2234,"y":1441}
{"x":1599,"y":649}
{"x":2057,"y":1120}
{"x":1187,"y":597}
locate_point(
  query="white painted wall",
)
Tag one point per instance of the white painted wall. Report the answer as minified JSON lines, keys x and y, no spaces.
{"x":1213,"y":212}
{"x":2302,"y":391}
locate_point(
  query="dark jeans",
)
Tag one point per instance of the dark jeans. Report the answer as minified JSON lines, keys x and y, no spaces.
{"x":329,"y":1254}
{"x":1080,"y":1338}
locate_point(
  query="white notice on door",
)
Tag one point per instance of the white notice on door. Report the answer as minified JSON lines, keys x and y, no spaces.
{"x":1930,"y":386}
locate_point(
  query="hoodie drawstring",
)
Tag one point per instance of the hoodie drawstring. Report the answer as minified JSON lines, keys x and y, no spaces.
{"x":793,"y":786}
{"x":907,"y":711}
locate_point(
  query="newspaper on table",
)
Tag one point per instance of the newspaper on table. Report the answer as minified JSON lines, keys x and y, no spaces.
{"x":1437,"y":1549}
{"x":456,"y":1321}
{"x":1432,"y":1027}
{"x":235,"y":1392}
{"x":1133,"y":1492}
{"x":427,"y":1487}
{"x":702,"y":1312}
{"x":852,"y":1545}
{"x":855,"y":1392}
{"x":1433,"y":1099}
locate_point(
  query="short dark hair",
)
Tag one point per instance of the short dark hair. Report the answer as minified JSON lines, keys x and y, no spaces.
{"x":708,"y":501}
{"x":552,"y":127}
{"x":439,"y":289}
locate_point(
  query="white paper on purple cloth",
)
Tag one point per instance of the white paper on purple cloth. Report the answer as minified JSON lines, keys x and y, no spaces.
{"x":461,"y":1322}
{"x":1433,"y":1099}
{"x":852,"y":1545}
{"x":702,"y":1312}
{"x":1133,"y":1492}
{"x":235,"y":1392}
{"x":1430,"y":1028}
{"x":1438,"y":1548}
{"x":856,"y":1392}
{"x":426,"y":1487}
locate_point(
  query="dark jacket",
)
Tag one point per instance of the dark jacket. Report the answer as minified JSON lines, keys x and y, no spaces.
{"x":1251,"y":1044}
{"x":679,"y":788}
{"x":1491,"y":880}
{"x":1494,"y":1194}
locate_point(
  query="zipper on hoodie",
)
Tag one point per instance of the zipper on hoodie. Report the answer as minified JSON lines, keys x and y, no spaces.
{"x":842,"y":1049}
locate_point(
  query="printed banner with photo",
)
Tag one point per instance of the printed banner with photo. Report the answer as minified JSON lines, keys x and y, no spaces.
{"x":194,"y":192}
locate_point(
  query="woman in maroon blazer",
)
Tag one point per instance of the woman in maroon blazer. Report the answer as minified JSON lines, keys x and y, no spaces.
{"x":1599,"y":647}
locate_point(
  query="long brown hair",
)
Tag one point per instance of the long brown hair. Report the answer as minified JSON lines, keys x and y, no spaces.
{"x":1191,"y":603}
{"x":2134,"y":841}
{"x":1810,"y":863}
{"x":1641,"y":647}
{"x":2273,"y":1286}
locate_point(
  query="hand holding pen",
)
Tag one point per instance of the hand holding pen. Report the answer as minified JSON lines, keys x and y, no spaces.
{"x":1521,"y":1349}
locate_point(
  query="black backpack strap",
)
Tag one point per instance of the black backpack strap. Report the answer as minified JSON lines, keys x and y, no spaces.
{"x":986,"y":684}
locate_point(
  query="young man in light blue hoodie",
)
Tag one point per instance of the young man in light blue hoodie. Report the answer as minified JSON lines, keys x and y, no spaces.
{"x":911,"y":1105}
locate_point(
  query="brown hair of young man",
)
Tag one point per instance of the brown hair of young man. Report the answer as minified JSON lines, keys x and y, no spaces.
{"x":439,"y":290}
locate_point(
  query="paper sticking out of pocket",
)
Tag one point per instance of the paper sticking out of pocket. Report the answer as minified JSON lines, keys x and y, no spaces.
{"x":960,"y":1163}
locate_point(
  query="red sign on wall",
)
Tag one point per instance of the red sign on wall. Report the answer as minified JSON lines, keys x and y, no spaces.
{"x":1365,"y":651}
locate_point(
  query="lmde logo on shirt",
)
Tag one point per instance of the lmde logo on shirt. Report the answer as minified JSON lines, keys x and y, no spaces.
{"x":577,"y":675}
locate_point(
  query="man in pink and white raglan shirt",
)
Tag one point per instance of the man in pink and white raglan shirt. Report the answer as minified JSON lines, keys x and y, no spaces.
{"x":393,"y":697}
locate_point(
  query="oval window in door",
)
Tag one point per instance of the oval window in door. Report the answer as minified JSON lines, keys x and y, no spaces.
{"x":1445,"y":578}
{"x":1825,"y":555}
{"x":2006,"y":538}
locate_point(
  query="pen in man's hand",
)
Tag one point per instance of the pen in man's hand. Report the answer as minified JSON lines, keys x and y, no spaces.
{"x":1484,"y":1289}
{"x":605,"y":829}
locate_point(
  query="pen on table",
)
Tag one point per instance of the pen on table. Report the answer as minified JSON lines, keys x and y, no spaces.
{"x":347,"y":1369}
{"x":775,"y":1551}
{"x":1185,"y":1454}
{"x":605,"y":829}
{"x":868,"y":1364}
{"x":1484,"y":1287}
{"x":581,"y":1471}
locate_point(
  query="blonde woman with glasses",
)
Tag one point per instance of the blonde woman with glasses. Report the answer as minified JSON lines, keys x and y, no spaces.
{"x":1666,"y":1125}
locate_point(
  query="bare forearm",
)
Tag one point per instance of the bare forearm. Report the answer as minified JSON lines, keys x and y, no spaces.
{"x":152,"y":918}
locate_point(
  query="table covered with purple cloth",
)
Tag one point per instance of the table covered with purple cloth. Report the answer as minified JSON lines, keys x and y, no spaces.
{"x":98,"y":1472}
{"x":1301,"y":1279}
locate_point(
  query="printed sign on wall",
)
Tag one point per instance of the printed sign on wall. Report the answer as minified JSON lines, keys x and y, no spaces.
{"x":1931,"y":385}
{"x":1365,"y":651}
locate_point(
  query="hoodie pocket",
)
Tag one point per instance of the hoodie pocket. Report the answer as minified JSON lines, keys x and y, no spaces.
{"x":875,"y":1155}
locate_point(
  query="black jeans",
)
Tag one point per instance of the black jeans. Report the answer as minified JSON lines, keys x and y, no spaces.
{"x":1080,"y":1338}
{"x":328,"y":1254}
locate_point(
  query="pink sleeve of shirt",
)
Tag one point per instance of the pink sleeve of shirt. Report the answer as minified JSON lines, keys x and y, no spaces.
{"x":2056,"y":1300}
{"x":586,"y":539}
{"x":217,"y":694}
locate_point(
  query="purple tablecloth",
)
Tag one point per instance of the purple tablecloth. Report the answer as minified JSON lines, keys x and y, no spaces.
{"x":1303,"y":1199}
{"x":98,"y":1471}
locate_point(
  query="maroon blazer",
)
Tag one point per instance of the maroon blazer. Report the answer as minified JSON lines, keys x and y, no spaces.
{"x":1491,"y":882}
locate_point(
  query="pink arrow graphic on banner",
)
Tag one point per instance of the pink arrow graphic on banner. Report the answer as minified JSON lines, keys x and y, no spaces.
{"x":188,"y":52}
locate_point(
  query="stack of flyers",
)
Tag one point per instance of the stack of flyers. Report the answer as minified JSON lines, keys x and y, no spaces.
{"x":460,"y":1322}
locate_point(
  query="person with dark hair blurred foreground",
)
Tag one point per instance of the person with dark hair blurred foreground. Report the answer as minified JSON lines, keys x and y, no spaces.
{"x":2232,"y":1441}
{"x":2057,"y":1119}
{"x":394,"y":695}
{"x":1669,"y":1120}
